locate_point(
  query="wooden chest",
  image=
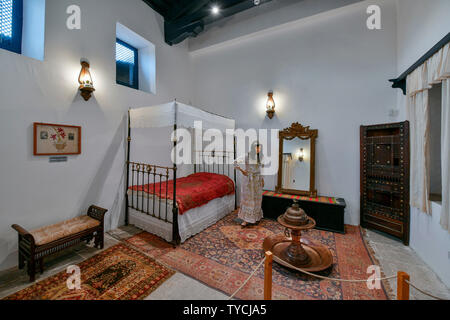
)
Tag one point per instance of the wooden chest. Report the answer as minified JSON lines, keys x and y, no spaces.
{"x":327,"y":211}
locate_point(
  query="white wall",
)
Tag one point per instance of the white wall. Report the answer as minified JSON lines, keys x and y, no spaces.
{"x":421,"y":24}
{"x":431,"y":241}
{"x":33,"y":192}
{"x":328,"y":71}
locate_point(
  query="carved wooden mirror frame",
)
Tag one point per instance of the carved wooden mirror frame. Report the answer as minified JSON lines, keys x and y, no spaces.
{"x":304,"y":133}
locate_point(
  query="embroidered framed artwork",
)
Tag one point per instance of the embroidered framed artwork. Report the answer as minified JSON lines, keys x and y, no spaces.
{"x":55,"y":139}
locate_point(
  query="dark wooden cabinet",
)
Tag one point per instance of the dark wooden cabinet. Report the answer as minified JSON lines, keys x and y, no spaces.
{"x":328,"y":213}
{"x":385,"y":179}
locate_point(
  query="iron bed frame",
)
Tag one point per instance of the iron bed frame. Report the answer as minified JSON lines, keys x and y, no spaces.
{"x":144,"y":174}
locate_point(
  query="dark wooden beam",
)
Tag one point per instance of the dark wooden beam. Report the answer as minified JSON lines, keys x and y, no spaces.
{"x":232,"y":10}
{"x":175,"y":36}
{"x":189,"y":9}
{"x":159,"y":6}
{"x":189,"y":26}
{"x":400,"y":82}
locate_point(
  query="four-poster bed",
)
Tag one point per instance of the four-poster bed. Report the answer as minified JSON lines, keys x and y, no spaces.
{"x":156,"y":194}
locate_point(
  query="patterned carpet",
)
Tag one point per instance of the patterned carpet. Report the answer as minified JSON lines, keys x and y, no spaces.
{"x":118,"y":273}
{"x":224,"y":255}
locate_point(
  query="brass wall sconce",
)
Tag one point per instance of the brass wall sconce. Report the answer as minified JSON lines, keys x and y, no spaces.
{"x":301,"y":155}
{"x":85,"y":80}
{"x":270,"y":106}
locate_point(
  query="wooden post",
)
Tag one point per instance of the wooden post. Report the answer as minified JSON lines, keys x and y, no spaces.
{"x":127,"y":199}
{"x":402,"y":286}
{"x":268,"y":276}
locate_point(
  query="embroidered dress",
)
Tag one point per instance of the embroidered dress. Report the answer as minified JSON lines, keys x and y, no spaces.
{"x":251,"y":194}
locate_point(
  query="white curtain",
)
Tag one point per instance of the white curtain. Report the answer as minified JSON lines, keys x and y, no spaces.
{"x":435,"y":70}
{"x":184,"y":116}
{"x":153,"y":117}
{"x":445,"y":154}
{"x":153,"y":127}
{"x":418,"y":112}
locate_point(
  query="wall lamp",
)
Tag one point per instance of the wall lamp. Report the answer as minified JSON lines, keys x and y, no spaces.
{"x":85,"y":80}
{"x":270,"y":106}
{"x":301,"y":155}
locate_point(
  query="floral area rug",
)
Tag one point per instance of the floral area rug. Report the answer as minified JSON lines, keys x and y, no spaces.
{"x":224,"y":255}
{"x":118,"y":273}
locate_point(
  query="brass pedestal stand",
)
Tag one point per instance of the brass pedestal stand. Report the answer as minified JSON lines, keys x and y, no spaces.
{"x":293,"y":251}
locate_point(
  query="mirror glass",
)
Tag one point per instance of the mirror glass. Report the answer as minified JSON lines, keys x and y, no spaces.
{"x":297,"y":159}
{"x":296,"y":164}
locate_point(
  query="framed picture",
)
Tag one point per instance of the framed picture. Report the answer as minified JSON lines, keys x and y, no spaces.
{"x":56,"y":139}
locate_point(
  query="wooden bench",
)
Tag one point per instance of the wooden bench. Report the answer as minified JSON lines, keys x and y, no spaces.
{"x":34,"y":246}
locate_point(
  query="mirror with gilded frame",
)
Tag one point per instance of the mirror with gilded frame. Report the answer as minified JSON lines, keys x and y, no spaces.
{"x":297,"y":161}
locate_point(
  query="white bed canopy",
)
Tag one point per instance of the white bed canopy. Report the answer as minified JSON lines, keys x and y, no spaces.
{"x":175,"y":113}
{"x":153,"y":125}
{"x":150,"y":162}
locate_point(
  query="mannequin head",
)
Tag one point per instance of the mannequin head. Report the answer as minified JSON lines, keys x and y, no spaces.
{"x":255,"y":154}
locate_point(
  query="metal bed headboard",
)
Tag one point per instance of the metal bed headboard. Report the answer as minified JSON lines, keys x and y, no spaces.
{"x":141,"y":174}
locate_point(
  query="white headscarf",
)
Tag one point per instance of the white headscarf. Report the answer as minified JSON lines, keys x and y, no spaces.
{"x":253,"y":157}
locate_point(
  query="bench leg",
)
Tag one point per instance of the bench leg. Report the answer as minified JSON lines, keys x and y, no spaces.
{"x":100,"y":240}
{"x":41,"y":265}
{"x":21,"y":261}
{"x":32,"y":269}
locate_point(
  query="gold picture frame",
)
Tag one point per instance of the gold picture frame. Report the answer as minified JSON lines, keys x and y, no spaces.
{"x":56,"y":139}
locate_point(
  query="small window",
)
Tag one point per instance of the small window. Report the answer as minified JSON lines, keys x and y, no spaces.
{"x":435,"y":99}
{"x":127,"y":68}
{"x":11,"y":15}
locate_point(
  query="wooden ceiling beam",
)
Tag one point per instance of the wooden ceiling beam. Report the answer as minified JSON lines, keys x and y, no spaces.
{"x":232,"y":10}
{"x":189,"y":9}
{"x":159,"y":6}
{"x":182,"y":21}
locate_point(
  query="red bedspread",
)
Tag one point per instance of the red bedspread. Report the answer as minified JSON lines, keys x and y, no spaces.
{"x":193,"y":191}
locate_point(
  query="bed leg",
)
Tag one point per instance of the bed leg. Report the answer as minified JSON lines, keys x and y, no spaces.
{"x":176,"y":240}
{"x":127,"y":212}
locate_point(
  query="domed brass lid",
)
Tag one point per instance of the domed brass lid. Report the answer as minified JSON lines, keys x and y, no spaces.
{"x":296,"y":216}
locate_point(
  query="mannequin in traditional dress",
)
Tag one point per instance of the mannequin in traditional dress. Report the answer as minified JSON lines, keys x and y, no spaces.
{"x":252,"y":184}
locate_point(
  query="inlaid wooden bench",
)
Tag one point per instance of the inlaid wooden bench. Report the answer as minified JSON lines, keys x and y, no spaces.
{"x":34,"y":246}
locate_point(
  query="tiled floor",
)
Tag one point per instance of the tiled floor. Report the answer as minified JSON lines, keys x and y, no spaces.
{"x":391,"y":254}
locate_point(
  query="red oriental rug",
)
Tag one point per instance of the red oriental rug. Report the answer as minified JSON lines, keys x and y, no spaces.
{"x":224,"y":255}
{"x":118,"y":273}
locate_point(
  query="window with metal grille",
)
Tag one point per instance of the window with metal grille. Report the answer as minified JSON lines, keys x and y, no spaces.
{"x":11,"y":15}
{"x":127,"y":68}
